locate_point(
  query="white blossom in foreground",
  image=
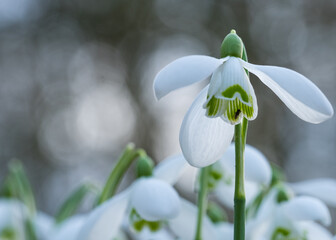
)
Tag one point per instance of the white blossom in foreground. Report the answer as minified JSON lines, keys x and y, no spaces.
{"x":295,"y":218}
{"x":205,"y":133}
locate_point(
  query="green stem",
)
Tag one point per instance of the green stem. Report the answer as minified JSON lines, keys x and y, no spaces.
{"x":124,"y":162}
{"x":202,"y":200}
{"x":239,"y":195}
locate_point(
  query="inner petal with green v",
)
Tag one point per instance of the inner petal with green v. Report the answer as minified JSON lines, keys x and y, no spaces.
{"x":230,"y":92}
{"x":230,"y":111}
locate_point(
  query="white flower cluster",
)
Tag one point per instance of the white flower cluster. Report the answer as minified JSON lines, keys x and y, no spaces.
{"x":150,"y":208}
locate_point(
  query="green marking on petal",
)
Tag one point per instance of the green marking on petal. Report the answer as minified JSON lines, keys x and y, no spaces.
{"x":282,"y":233}
{"x":139,"y":223}
{"x":232,"y":111}
{"x":214,"y":106}
{"x":8,"y":233}
{"x":229,"y":92}
{"x":236,"y":109}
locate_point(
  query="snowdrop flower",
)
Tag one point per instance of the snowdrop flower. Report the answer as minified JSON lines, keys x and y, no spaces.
{"x":205,"y":133}
{"x":147,"y":202}
{"x":280,"y":218}
{"x":258,"y":175}
{"x":321,"y":188}
{"x":184,"y":225}
{"x":13,"y":217}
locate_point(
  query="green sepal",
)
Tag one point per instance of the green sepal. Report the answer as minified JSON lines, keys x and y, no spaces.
{"x":232,"y":45}
{"x":72,"y":203}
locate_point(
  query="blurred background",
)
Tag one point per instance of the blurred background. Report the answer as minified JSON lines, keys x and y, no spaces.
{"x":76,"y":82}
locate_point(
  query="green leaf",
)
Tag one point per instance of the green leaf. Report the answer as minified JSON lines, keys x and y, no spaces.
{"x":70,"y":206}
{"x":17,"y":186}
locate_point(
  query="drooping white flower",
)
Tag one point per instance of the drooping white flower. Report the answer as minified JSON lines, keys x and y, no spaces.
{"x":289,"y":219}
{"x":204,"y":136}
{"x":150,"y":198}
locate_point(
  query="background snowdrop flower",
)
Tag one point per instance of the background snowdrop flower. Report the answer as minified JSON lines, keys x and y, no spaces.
{"x":321,"y":188}
{"x":280,"y":218}
{"x":13,"y":219}
{"x":204,"y":136}
{"x":147,"y":234}
{"x":152,"y":199}
{"x":184,"y":225}
{"x":258,"y":175}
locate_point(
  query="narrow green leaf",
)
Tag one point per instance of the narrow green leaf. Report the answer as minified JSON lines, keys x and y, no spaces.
{"x":72,"y":203}
{"x":17,"y":186}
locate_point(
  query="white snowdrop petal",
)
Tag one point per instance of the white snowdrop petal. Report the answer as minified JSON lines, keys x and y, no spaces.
{"x":13,"y":213}
{"x":322,"y":188}
{"x":154,"y":199}
{"x":43,"y":225}
{"x":69,"y":229}
{"x":307,"y":209}
{"x":171,"y":169}
{"x":225,"y":193}
{"x":105,"y":221}
{"x":224,"y":230}
{"x":257,"y":168}
{"x":233,"y":74}
{"x":203,"y":140}
{"x":315,"y":231}
{"x":297,"y":92}
{"x":183,"y":72}
{"x":184,"y":225}
{"x":215,"y":82}
{"x":147,"y":234}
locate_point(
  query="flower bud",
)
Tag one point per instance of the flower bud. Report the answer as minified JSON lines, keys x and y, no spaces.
{"x":144,"y":166}
{"x":232,"y":45}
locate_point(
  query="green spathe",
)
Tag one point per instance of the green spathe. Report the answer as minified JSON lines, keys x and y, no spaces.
{"x":232,"y":45}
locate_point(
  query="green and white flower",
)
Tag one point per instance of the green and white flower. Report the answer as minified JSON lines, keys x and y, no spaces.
{"x":294,"y":218}
{"x":204,"y":136}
